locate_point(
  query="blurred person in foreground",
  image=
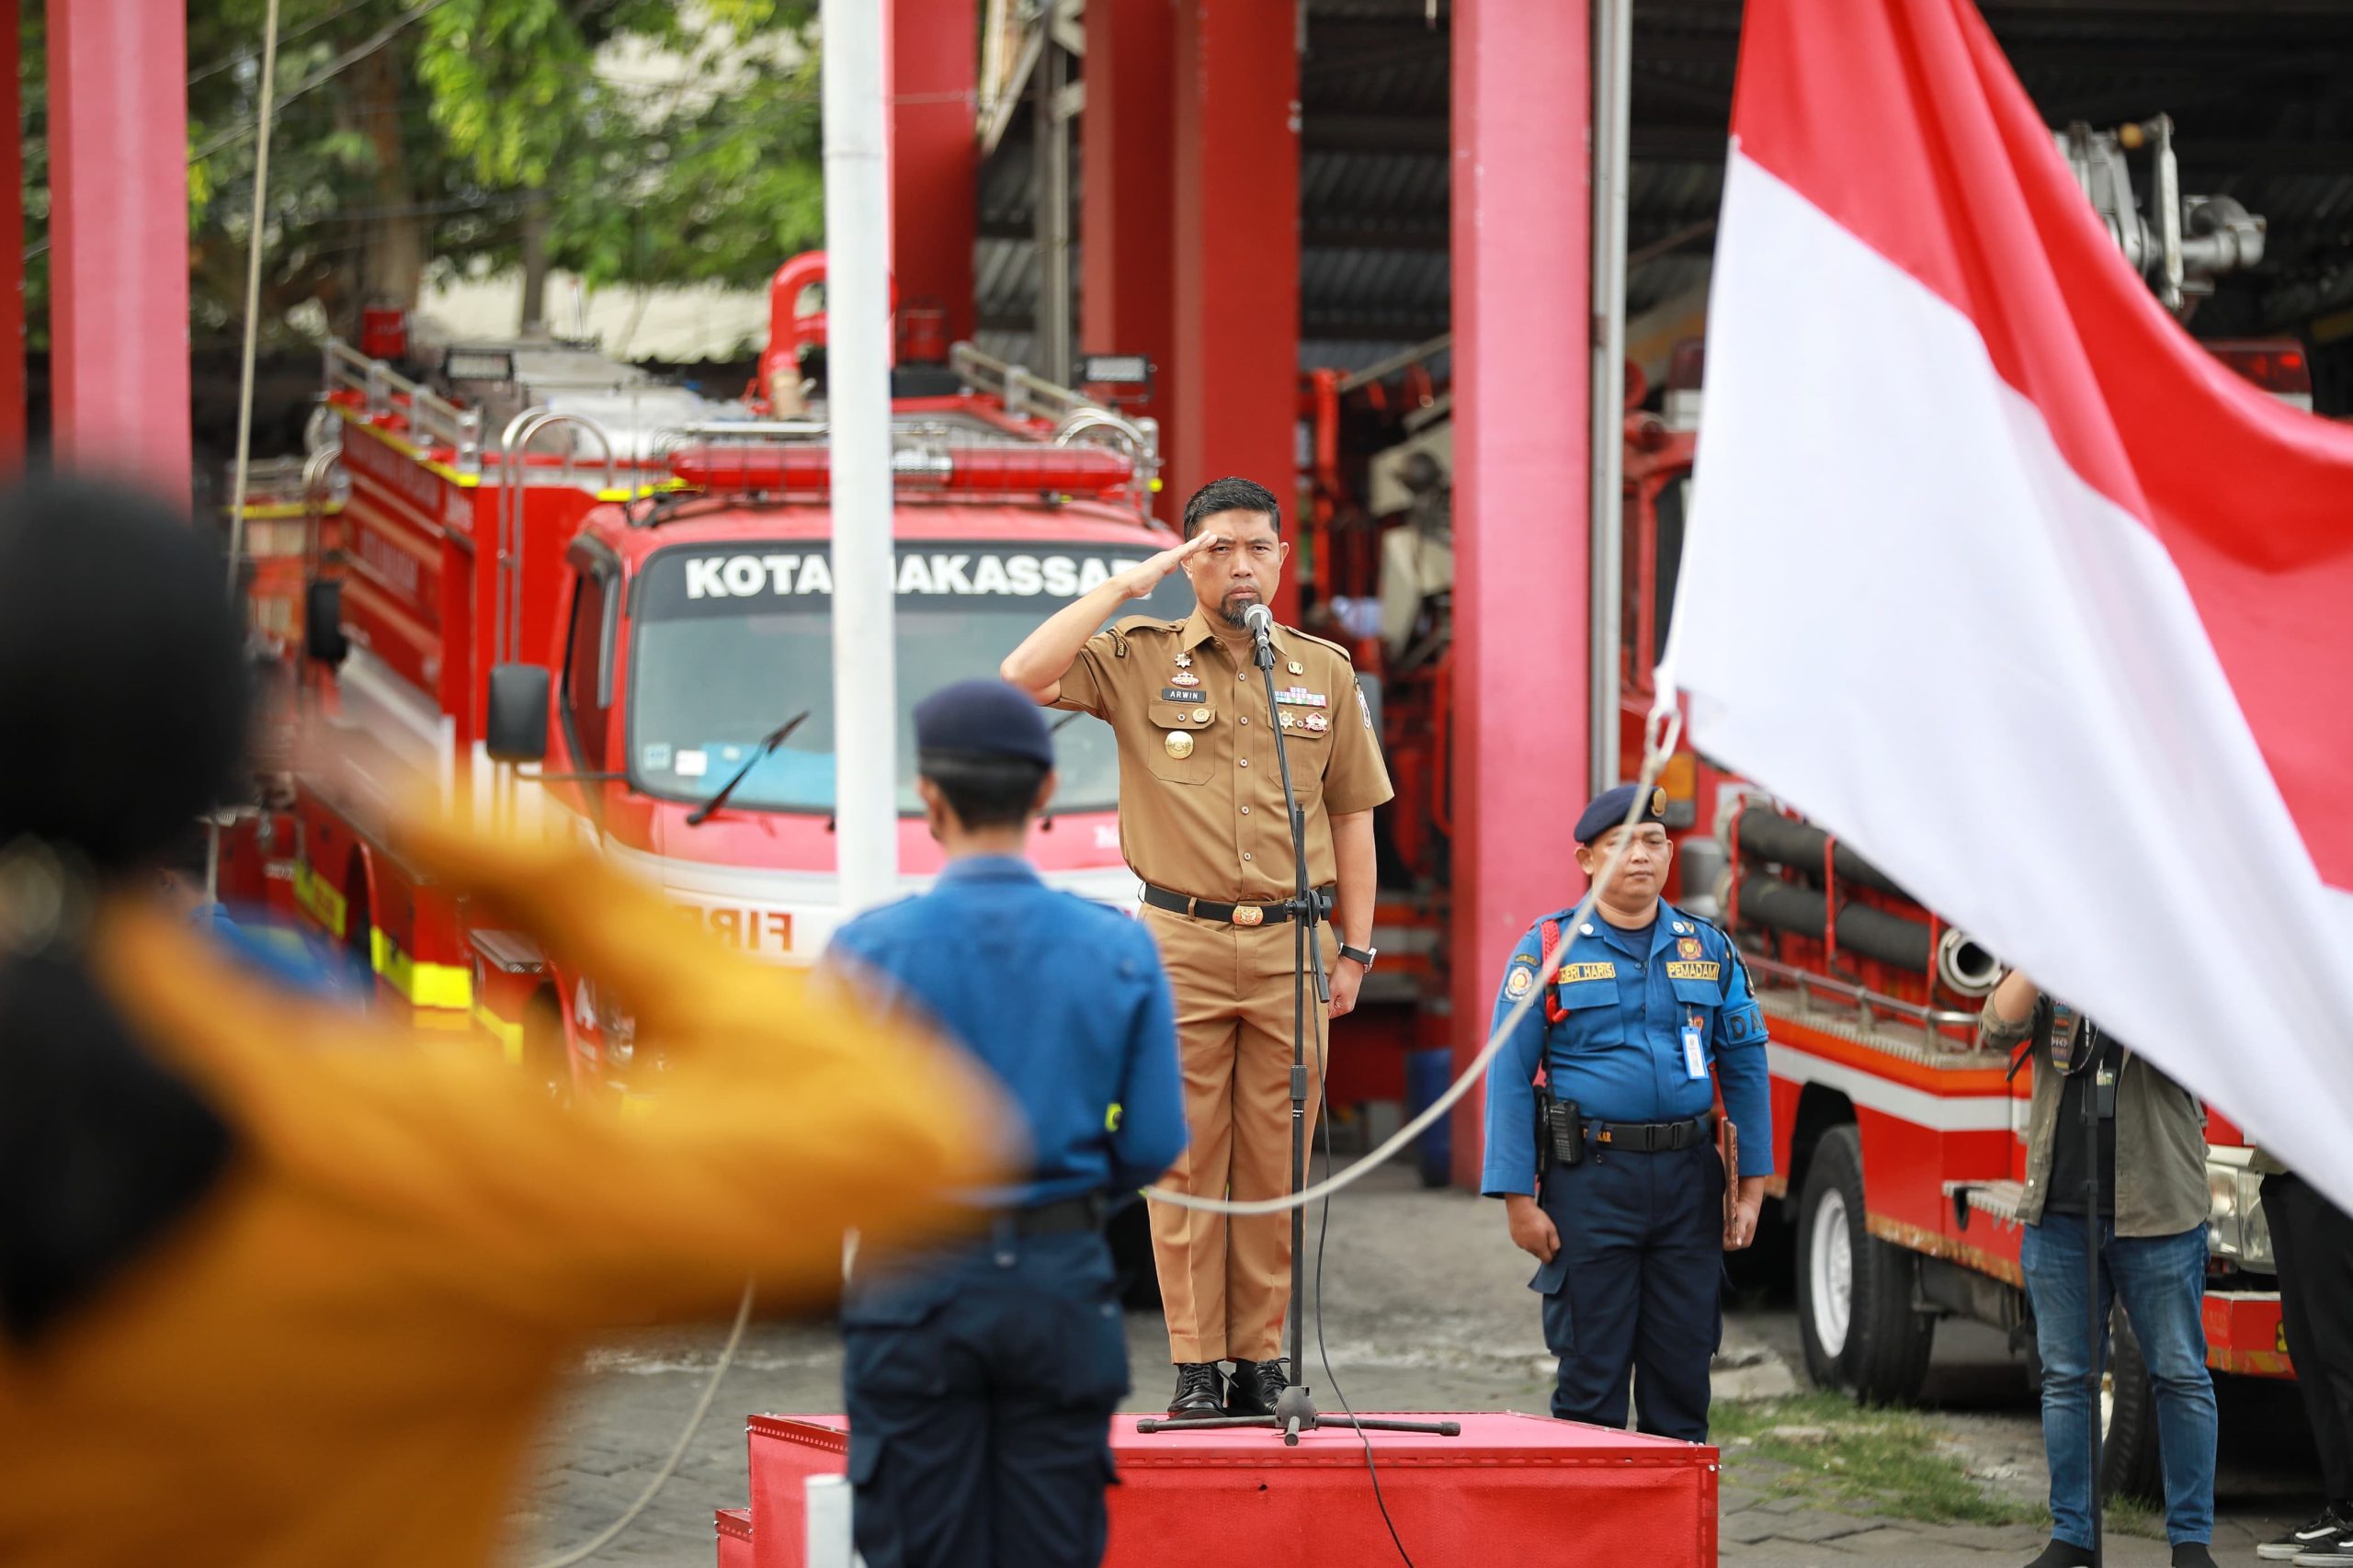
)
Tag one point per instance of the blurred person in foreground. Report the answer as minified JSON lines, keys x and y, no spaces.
{"x":278,"y":1288}
{"x":981,"y":1380}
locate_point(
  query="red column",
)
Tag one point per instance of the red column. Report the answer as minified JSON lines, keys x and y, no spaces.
{"x":1521,"y":244}
{"x":117,"y":126}
{"x":12,"y":251}
{"x":934,"y":164}
{"x":1126,"y":214}
{"x":1235,"y":128}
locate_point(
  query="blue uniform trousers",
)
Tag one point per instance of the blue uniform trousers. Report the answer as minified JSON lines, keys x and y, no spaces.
{"x":979,"y":1400}
{"x":1636,"y":1286}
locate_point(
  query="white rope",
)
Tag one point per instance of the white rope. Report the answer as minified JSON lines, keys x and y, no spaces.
{"x":606,"y":1537}
{"x":253,"y":296}
{"x":1665,"y":726}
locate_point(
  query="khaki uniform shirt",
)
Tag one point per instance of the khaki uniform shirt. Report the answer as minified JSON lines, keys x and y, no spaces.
{"x":1201,"y":786}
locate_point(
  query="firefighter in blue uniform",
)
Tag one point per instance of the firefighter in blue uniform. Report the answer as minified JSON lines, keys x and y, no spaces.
{"x":982,"y":1379}
{"x":1610,"y":1171}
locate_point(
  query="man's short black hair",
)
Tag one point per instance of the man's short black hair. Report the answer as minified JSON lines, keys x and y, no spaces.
{"x":1232,"y":494}
{"x":124,"y":688}
{"x":984,"y":789}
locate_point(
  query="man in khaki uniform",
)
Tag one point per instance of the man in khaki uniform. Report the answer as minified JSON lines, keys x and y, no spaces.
{"x":1202,"y":823}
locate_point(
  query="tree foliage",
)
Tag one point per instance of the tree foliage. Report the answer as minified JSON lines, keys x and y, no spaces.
{"x":468,"y":121}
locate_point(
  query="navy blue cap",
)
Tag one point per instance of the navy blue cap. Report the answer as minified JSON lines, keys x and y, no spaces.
{"x":984,"y":718}
{"x":1609,"y":808}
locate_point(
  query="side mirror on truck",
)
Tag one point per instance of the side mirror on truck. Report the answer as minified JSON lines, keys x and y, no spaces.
{"x":322,"y":638}
{"x":517,"y":730}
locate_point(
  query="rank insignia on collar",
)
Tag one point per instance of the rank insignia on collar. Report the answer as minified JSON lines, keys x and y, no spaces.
{"x":1295,"y":668}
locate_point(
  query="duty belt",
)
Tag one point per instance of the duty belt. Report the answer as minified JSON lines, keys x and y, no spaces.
{"x":1062,"y":1217}
{"x":1236,"y":914}
{"x":1648,"y":1137}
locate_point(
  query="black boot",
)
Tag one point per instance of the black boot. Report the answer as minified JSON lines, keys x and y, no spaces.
{"x":2063,"y":1554}
{"x":1200,"y":1392}
{"x":2193,"y":1554}
{"x":1255,"y":1387}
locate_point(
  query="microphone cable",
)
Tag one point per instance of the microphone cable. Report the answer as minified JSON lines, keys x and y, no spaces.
{"x":1322,"y":1232}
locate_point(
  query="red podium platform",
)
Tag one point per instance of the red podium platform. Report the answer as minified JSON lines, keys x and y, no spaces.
{"x":734,"y":1526}
{"x":1511,"y":1489}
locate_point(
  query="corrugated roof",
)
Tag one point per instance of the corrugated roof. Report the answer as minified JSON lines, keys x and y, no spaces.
{"x":2254,"y":87}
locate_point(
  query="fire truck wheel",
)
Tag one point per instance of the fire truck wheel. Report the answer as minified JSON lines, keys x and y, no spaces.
{"x":1861,"y":1332}
{"x":2128,"y":1416}
{"x":546,"y":1056}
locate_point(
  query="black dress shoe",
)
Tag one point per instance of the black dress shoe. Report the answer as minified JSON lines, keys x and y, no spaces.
{"x":1198,"y":1391}
{"x":1255,"y":1387}
{"x":2063,"y":1554}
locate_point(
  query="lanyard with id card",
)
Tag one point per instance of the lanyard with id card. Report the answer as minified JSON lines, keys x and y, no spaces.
{"x":1695,"y":1050}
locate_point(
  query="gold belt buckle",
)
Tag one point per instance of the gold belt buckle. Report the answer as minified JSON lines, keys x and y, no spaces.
{"x":1248,"y":914}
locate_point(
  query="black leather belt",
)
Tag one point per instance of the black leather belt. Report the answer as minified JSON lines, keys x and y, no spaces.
{"x":1235,"y":914}
{"x":1063,"y":1217}
{"x":1648,"y":1137}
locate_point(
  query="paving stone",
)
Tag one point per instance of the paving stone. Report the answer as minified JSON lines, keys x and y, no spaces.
{"x":1820,"y":1525}
{"x":1890,"y":1543}
{"x":1990,"y":1537}
{"x":1777,"y":1553}
{"x":1745,"y":1528}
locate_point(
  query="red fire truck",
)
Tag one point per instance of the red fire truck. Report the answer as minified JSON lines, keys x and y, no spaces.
{"x":613,"y":615}
{"x":1901,"y":1148}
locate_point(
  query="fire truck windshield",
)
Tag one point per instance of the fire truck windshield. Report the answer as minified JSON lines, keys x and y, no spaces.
{"x":726,"y":638}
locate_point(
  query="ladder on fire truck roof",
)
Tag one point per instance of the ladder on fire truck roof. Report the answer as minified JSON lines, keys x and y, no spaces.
{"x":1074,"y":418}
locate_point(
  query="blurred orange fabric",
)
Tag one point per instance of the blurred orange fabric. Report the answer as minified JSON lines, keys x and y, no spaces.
{"x":337,"y":1362}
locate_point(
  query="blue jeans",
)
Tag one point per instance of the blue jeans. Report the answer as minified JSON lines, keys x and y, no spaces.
{"x":2163,"y":1281}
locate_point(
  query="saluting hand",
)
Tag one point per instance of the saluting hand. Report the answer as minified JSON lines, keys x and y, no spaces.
{"x":1138,"y":580}
{"x":1532,"y":1230}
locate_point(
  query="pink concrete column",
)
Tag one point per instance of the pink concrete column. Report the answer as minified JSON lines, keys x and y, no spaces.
{"x":118,"y":116}
{"x":1520,"y":260}
{"x":1236,"y":131}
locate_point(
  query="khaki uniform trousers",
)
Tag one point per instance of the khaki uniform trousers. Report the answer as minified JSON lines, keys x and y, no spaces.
{"x":1224,"y":1282}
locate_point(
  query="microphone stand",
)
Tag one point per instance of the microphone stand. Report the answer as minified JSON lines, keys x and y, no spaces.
{"x":1295,"y":1411}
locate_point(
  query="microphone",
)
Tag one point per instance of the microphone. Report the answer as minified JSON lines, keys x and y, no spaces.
{"x":1261,"y":622}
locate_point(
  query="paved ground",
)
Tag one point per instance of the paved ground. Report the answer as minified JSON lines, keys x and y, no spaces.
{"x":1427,"y":1309}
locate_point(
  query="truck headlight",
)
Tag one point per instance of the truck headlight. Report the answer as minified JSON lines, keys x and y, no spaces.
{"x":2236,"y":1227}
{"x":619,"y":1029}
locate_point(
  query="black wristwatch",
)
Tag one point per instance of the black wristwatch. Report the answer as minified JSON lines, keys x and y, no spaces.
{"x":1362,"y":955}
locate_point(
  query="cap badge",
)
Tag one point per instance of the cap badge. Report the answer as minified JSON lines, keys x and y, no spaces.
{"x":1658,"y":802}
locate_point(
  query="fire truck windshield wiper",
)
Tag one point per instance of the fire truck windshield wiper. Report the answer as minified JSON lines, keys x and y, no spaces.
{"x":769,"y":742}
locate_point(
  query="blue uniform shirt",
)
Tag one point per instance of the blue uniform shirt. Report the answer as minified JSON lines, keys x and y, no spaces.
{"x":1063,"y":999}
{"x":1618,"y":1053}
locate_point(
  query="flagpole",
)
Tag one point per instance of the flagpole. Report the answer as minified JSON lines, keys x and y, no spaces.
{"x":2094,"y":1047}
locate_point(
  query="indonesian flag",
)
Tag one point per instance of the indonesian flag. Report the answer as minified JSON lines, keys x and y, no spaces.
{"x":1998,"y":574}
